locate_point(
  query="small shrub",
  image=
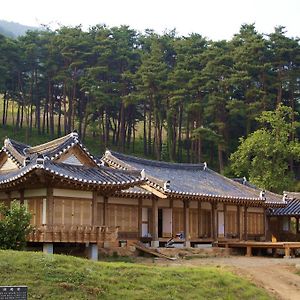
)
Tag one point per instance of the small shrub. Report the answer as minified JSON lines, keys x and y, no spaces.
{"x":14,"y":226}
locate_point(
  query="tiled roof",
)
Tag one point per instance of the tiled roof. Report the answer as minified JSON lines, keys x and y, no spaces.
{"x":98,"y":176}
{"x":291,"y":209}
{"x":190,"y":179}
{"x":53,"y":149}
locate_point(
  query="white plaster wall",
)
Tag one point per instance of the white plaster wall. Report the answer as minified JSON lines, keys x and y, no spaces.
{"x":127,"y":201}
{"x":72,"y":193}
{"x":35,"y":192}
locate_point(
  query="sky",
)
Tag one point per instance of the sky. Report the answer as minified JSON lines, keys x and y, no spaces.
{"x":214,"y":19}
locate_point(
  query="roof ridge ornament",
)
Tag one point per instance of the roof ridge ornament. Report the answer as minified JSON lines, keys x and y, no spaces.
{"x":40,"y":160}
{"x":262,"y":194}
{"x":244,"y":180}
{"x":143,"y":174}
{"x":6,"y":142}
{"x":285,"y":196}
{"x":74,"y":134}
{"x":167,"y":185}
{"x":107,"y":152}
{"x":204,"y":166}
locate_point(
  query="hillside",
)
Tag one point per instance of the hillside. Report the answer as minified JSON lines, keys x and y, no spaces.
{"x":13,"y":29}
{"x":62,"y":277}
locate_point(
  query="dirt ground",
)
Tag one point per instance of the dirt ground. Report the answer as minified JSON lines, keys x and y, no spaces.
{"x":276,"y":275}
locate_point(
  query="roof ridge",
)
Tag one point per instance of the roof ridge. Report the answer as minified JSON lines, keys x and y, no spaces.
{"x":146,"y":161}
{"x":53,"y":143}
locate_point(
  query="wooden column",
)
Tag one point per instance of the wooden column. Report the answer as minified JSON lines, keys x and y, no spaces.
{"x":265,"y":224}
{"x":173,"y":221}
{"x":213,"y":221}
{"x":186,"y":208}
{"x":50,"y":204}
{"x":94,"y":209}
{"x":199,"y":218}
{"x":245,"y":223}
{"x":225,"y":218}
{"x":140,"y":220}
{"x":105,"y":206}
{"x":21,"y":196}
{"x":155,"y":242}
{"x":238,"y":222}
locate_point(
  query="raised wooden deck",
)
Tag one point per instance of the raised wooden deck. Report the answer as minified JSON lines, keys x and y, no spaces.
{"x":249,"y":245}
{"x":73,"y":234}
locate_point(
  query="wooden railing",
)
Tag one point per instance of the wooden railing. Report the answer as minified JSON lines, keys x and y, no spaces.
{"x":73,"y":234}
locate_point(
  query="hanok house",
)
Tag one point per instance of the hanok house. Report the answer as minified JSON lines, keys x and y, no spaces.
{"x":74,"y":198}
{"x":66,"y":190}
{"x":190,"y":202}
{"x":284,"y":222}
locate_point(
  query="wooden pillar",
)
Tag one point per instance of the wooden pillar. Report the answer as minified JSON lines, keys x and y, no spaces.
{"x":249,"y":251}
{"x":50,"y":204}
{"x":94,"y":209}
{"x":245,"y":223}
{"x":287,"y":252}
{"x":199,"y":218}
{"x":140,"y":220}
{"x":225,"y":218}
{"x":21,"y":196}
{"x":155,"y":242}
{"x":173,"y":220}
{"x":105,"y":206}
{"x":213,"y":221}
{"x":265,"y":224}
{"x":186,"y":205}
{"x":238,"y":222}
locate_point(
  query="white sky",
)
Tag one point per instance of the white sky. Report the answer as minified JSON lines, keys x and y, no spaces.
{"x":215,"y":19}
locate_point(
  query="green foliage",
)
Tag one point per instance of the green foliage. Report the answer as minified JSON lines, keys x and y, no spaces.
{"x":14,"y":226}
{"x":138,"y":91}
{"x":265,"y":155}
{"x":63,"y":277}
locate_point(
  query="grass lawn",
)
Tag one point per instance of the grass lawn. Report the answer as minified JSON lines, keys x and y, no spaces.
{"x":66,"y":277}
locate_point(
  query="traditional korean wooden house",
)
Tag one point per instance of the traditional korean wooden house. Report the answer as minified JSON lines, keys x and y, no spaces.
{"x":76,"y":198}
{"x":191,"y":203}
{"x":284,"y":222}
{"x":65,"y":189}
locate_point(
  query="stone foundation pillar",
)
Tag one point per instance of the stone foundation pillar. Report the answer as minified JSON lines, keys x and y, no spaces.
{"x":93,"y":252}
{"x":48,"y":248}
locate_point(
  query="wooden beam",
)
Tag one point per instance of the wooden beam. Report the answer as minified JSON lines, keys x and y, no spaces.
{"x":154,"y":191}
